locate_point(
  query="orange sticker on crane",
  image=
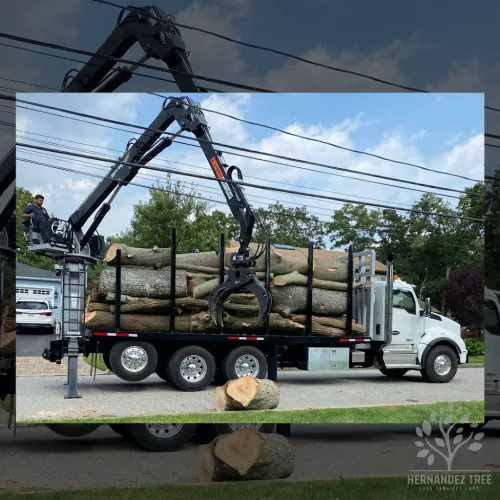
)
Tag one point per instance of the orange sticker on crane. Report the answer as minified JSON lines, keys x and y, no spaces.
{"x":216,"y":167}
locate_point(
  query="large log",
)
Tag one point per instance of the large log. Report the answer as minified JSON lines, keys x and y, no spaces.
{"x":97,"y":306}
{"x":247,"y":393}
{"x":195,"y":323}
{"x":205,"y":288}
{"x":296,"y":278}
{"x":293,"y":299}
{"x":143,"y":282}
{"x":163,"y":306}
{"x":158,"y":257}
{"x":245,"y":455}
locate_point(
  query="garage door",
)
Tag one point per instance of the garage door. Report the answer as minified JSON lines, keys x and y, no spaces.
{"x":35,"y":293}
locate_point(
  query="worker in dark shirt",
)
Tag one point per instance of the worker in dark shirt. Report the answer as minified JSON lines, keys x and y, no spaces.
{"x":39,"y":216}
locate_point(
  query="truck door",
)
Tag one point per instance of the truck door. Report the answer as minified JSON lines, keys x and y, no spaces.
{"x":406,"y":320}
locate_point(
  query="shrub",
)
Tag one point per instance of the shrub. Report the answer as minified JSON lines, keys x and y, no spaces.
{"x":475,"y":347}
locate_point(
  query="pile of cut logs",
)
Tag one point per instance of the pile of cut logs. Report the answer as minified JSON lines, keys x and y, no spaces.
{"x":145,"y":293}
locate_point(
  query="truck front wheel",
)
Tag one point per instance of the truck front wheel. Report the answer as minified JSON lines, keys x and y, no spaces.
{"x":133,"y":361}
{"x":440,"y":365}
{"x":160,"y":437}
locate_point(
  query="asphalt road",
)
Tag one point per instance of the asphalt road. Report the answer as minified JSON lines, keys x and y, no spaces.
{"x":37,"y":459}
{"x":43,"y":397}
{"x":32,"y":344}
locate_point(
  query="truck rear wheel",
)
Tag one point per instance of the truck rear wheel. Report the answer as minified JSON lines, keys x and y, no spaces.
{"x":133,"y":361}
{"x":160,"y":437}
{"x":105,"y":360}
{"x":73,"y":430}
{"x":393,"y":372}
{"x":244,"y":361}
{"x":440,"y":365}
{"x":191,"y":368}
{"x":162,"y":370}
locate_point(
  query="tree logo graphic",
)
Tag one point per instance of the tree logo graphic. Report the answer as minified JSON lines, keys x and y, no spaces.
{"x":454,"y":436}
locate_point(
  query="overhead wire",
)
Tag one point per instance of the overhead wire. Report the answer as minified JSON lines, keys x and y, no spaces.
{"x":241,"y":183}
{"x":238,"y":148}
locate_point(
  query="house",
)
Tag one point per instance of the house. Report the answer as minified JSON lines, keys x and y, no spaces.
{"x":296,"y":254}
{"x":34,"y":283}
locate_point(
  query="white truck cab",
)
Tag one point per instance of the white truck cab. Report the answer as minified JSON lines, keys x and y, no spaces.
{"x":421,"y":339}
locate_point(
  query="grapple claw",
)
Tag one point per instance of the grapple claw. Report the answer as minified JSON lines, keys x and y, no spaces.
{"x":237,"y":280}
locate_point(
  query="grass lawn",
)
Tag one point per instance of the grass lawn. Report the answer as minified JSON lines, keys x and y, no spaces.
{"x":476,"y":360}
{"x":383,"y":488}
{"x":402,"y":414}
{"x":100,"y":363}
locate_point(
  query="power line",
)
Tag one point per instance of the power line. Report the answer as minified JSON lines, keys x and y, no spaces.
{"x":182,"y":163}
{"x":245,"y":184}
{"x":268,"y":49}
{"x":259,"y":159}
{"x":493,"y":145}
{"x":27,"y":83}
{"x":303,"y":219}
{"x":127,"y":61}
{"x":57,"y":56}
{"x":492,"y":109}
{"x":492,"y":136}
{"x":319,"y":140}
{"x":238,"y":148}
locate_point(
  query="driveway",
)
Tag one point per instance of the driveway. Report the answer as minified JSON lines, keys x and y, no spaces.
{"x":322,"y":452}
{"x":32,"y":343}
{"x":108,"y":396}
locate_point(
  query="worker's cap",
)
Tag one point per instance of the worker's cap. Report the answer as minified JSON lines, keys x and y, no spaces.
{"x":39,"y":197}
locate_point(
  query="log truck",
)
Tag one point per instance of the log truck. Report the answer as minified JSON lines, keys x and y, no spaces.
{"x":400,"y":336}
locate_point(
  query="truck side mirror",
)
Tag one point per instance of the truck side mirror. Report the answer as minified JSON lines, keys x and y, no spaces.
{"x":427,"y":311}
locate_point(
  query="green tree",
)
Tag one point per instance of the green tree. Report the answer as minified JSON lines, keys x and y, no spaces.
{"x":290,"y":226}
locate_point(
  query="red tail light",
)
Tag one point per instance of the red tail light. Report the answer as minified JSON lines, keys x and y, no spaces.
{"x":46,"y":313}
{"x":17,"y":312}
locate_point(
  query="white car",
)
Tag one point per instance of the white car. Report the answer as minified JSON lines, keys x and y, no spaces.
{"x":35,"y":314}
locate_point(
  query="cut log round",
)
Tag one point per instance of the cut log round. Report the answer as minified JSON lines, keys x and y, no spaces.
{"x":339,"y":322}
{"x":255,"y":456}
{"x":293,"y":299}
{"x":330,"y":270}
{"x":97,"y":306}
{"x":247,"y":393}
{"x":296,"y":278}
{"x":209,"y":469}
{"x":143,"y":282}
{"x":105,"y":321}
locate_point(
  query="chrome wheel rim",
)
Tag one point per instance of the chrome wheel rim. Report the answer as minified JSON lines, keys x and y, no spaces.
{"x":164,"y":431}
{"x":134,"y":359}
{"x":442,"y":365}
{"x":193,"y":368}
{"x":247,"y":366}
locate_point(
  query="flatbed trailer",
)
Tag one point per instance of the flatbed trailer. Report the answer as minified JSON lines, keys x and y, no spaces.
{"x":263,"y":348}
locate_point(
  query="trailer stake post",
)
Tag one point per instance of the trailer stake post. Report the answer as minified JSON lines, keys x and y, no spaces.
{"x":118,"y":289}
{"x":268,"y":280}
{"x":173,"y":251}
{"x":222,"y":274}
{"x":350,"y":279}
{"x":309,"y":289}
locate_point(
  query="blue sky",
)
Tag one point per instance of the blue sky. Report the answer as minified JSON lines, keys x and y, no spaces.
{"x":442,"y":132}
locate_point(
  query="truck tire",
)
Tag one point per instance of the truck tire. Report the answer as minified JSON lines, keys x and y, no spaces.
{"x":72,"y":430}
{"x":393,"y":372}
{"x":105,"y":360}
{"x":160,"y":437}
{"x":133,"y":361}
{"x":162,"y":369}
{"x":244,"y":361}
{"x":440,"y":365}
{"x":191,"y":368}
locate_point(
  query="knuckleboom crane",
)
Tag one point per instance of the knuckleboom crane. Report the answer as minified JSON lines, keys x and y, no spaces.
{"x":74,"y":248}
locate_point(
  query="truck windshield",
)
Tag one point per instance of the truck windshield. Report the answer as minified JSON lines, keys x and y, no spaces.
{"x":491,"y":318}
{"x":402,"y":299}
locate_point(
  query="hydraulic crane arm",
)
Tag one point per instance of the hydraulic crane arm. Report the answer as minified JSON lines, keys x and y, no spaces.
{"x":159,"y":38}
{"x":189,"y":117}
